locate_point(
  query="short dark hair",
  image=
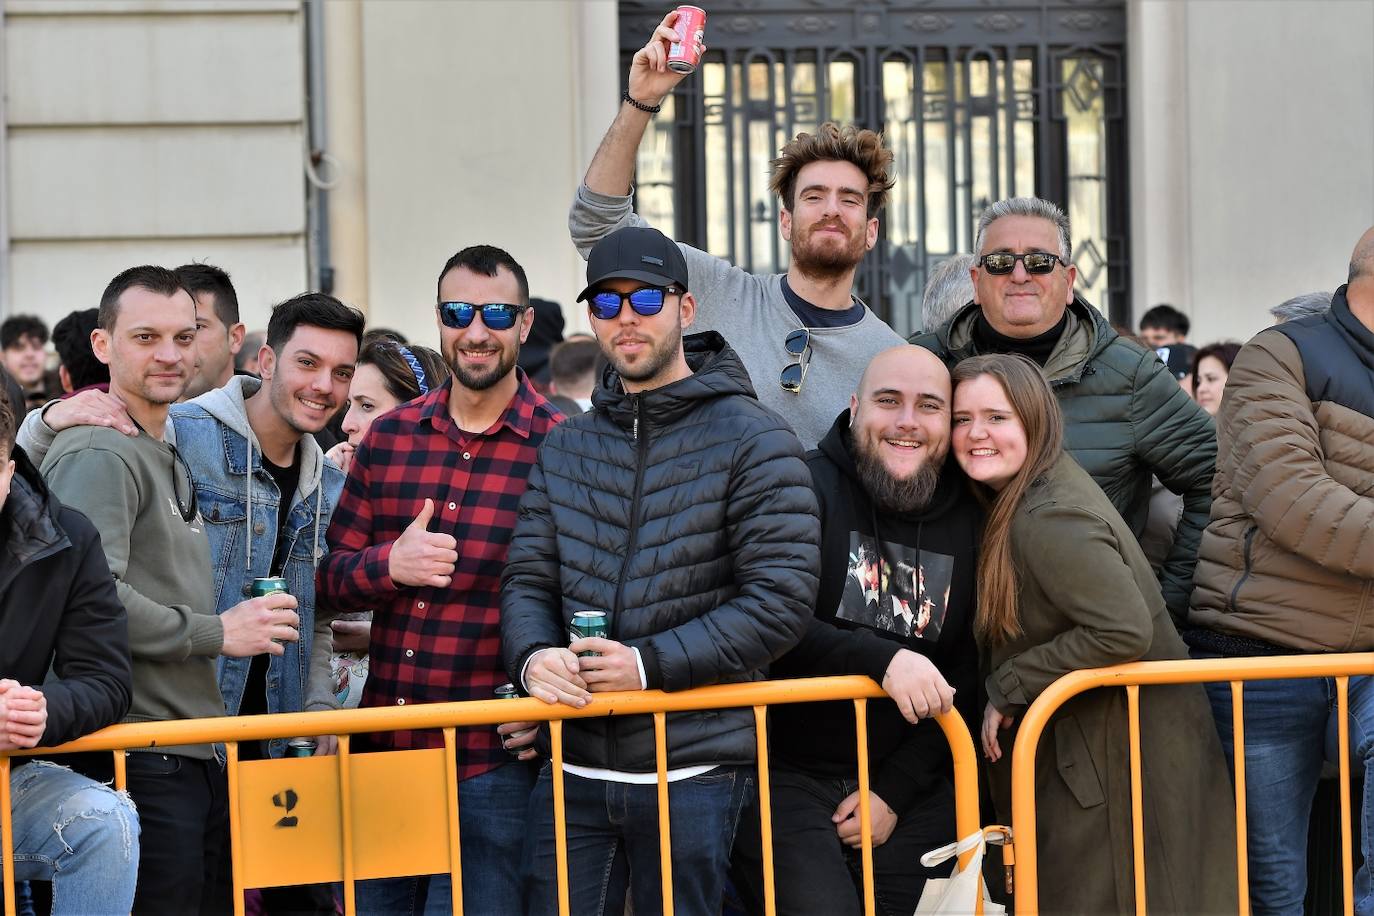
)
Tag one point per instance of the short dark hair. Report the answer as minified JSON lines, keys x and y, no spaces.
{"x":6,"y":428}
{"x":1225,"y":351}
{"x":214,"y":281}
{"x":1167,"y":317}
{"x":317,"y":310}
{"x":485,"y":260}
{"x":154,"y":279}
{"x":571,"y":360}
{"x":72,"y":339}
{"x":16,"y":328}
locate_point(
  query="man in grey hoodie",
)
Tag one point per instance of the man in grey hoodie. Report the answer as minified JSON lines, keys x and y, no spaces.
{"x":804,"y":337}
{"x":137,"y":491}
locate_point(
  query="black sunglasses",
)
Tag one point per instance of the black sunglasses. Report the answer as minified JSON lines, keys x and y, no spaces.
{"x":646,"y":301}
{"x":798,"y":343}
{"x":189,"y":507}
{"x":1004,"y":262}
{"x":497,"y":316}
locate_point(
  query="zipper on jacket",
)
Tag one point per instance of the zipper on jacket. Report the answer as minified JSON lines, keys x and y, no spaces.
{"x":642,"y":450}
{"x":1245,"y":569}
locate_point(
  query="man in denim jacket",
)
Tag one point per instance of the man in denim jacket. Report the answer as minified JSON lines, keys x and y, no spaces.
{"x":244,"y":444}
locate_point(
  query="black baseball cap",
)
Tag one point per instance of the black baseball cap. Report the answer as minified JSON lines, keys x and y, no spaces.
{"x":636,"y":253}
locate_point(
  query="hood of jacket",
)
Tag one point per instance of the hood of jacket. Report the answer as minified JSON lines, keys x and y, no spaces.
{"x":1087,"y":336}
{"x":228,"y":406}
{"x":29,"y":520}
{"x":716,"y":372}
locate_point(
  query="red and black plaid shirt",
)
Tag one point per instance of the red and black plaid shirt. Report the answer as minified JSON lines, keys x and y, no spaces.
{"x":433,"y":645}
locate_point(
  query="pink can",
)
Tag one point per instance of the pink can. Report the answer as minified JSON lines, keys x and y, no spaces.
{"x":690,"y":25}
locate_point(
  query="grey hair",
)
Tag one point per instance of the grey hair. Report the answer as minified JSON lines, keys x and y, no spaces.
{"x":1302,"y":306}
{"x":1027,"y":206}
{"x":949,"y":288}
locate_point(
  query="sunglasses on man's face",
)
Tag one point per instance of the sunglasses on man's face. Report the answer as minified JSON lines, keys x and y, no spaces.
{"x":1004,"y":262}
{"x":497,"y":316}
{"x":646,"y":301}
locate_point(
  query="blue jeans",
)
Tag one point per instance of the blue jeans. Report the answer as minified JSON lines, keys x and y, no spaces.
{"x":612,"y":833}
{"x":78,"y":834}
{"x":492,"y":809}
{"x":1290,"y":730}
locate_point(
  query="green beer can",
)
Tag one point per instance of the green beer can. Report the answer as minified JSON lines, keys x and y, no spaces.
{"x":300,"y":747}
{"x":588,"y":623}
{"x":269,"y":586}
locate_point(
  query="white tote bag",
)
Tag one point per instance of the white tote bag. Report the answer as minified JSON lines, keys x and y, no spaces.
{"x":960,"y":891}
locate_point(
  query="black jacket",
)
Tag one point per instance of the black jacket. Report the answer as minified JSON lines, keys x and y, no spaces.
{"x":686,"y":514}
{"x":1125,"y":419}
{"x":58,"y":608}
{"x":856,"y":631}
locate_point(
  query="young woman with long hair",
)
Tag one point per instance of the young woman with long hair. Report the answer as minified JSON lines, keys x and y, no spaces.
{"x":1063,"y":585}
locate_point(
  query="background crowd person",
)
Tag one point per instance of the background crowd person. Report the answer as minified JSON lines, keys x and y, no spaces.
{"x":890,"y":502}
{"x":246,"y":359}
{"x":1126,"y":419}
{"x":1211,"y":366}
{"x":1301,"y":306}
{"x":420,"y":538}
{"x":78,"y":369}
{"x":161,"y":565}
{"x":219,"y":333}
{"x":1166,"y":328}
{"x":803,"y":336}
{"x":59,"y":611}
{"x":572,"y":374}
{"x":545,"y":334}
{"x":703,"y":577}
{"x":1064,"y":586}
{"x":1286,"y":564}
{"x":23,"y":343}
{"x":948,"y":290}
{"x":388,"y":374}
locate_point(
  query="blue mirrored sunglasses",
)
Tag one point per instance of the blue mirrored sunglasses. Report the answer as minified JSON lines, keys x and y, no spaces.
{"x":646,"y":301}
{"x":497,"y":316}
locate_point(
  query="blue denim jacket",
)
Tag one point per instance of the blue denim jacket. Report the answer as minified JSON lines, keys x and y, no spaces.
{"x":213,"y":435}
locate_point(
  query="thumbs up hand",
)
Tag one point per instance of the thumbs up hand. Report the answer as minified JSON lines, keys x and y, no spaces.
{"x":421,"y":557}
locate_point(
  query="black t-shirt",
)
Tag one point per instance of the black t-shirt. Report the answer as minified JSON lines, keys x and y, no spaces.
{"x":254,"y":702}
{"x":1038,"y":348}
{"x":813,"y":316}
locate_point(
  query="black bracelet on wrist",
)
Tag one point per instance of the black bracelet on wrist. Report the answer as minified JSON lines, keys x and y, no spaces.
{"x":649,"y":109}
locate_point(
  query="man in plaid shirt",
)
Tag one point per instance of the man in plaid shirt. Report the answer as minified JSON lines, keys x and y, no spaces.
{"x":420,"y":537}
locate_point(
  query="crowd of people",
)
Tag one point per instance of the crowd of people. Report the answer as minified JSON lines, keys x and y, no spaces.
{"x":746,"y":476}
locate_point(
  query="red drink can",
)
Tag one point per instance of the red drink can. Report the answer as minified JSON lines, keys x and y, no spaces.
{"x":683,"y":56}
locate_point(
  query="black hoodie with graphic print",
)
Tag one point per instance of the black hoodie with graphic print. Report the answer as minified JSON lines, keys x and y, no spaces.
{"x":888,"y":582}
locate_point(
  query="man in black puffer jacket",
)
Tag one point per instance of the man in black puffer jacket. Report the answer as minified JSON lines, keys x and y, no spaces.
{"x":683,"y":510}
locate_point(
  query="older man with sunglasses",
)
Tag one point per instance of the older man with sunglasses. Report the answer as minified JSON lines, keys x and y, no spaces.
{"x":1126,"y":419}
{"x":420,"y":537}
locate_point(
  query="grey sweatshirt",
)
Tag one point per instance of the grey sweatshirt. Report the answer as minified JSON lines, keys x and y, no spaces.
{"x":754,"y":317}
{"x":160,"y":562}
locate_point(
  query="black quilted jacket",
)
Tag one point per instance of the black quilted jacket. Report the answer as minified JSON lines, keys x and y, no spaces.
{"x":686,"y":514}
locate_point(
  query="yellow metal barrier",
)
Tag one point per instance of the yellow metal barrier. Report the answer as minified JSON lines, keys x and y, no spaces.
{"x":353,"y":817}
{"x":1134,"y":676}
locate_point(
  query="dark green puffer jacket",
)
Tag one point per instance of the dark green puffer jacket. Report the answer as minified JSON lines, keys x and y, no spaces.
{"x":1125,"y":419}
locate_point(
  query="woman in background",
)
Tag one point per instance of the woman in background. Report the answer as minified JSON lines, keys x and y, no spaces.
{"x":1211,"y":366}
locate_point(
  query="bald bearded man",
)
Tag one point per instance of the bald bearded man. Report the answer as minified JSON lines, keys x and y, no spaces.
{"x":899,"y":533}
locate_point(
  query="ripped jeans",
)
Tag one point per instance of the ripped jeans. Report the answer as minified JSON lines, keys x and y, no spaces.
{"x":78,"y":834}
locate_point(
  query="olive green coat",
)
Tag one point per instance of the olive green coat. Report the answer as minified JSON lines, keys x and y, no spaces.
{"x":1087,"y":599}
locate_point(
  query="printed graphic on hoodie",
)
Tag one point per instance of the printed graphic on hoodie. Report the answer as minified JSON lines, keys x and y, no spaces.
{"x":896,"y":588}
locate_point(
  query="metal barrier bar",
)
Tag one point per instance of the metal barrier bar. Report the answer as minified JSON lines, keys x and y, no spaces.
{"x":665,"y":841}
{"x":1242,"y":820}
{"x":1343,"y":730}
{"x":770,"y":893}
{"x":343,"y":723}
{"x":231,"y":762}
{"x":121,"y":772}
{"x":1144,"y":674}
{"x":455,"y":859}
{"x":865,"y":809}
{"x":1137,"y":805}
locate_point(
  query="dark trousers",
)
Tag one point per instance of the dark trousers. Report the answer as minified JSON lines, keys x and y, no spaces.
{"x":817,"y":874}
{"x":183,"y":809}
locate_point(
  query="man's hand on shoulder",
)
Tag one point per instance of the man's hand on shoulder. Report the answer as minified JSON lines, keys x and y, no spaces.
{"x":917,"y":686}
{"x":89,"y":408}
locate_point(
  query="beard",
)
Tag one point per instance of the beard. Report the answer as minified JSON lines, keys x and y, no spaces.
{"x":891,"y":493}
{"x":823,"y":259}
{"x":482,"y":379}
{"x":653,"y":363}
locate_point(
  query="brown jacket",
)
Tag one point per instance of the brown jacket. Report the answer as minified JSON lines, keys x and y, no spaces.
{"x":1088,"y":599}
{"x":1288,"y":557}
